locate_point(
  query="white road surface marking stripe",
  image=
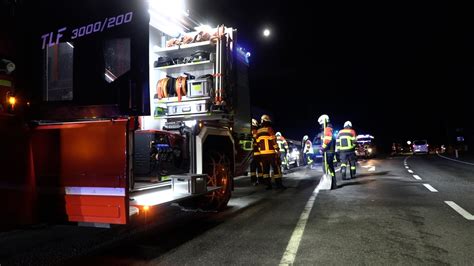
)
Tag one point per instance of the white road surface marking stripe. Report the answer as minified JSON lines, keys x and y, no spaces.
{"x":290,"y":252}
{"x":447,"y":158}
{"x":430,"y":188}
{"x":417,"y":177}
{"x":460,"y":210}
{"x":405,"y":161}
{"x":366,"y":166}
{"x":407,"y":167}
{"x":410,"y":171}
{"x":372,"y":169}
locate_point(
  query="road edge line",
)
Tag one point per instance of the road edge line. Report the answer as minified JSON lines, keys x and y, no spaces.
{"x":289,"y":256}
{"x":454,"y":160}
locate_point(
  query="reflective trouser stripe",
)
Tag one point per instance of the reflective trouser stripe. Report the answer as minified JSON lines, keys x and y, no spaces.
{"x":344,"y":148}
{"x":5,"y":83}
{"x":267,"y":152}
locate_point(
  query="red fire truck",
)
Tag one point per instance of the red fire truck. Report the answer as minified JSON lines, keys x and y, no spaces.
{"x":132,"y":105}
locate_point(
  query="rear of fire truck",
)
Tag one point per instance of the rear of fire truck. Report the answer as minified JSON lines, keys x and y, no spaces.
{"x":15,"y":187}
{"x":136,"y":106}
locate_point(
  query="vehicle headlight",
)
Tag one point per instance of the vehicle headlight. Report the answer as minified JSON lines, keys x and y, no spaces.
{"x":369,"y":150}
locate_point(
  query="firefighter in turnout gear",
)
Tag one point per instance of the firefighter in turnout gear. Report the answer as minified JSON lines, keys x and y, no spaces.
{"x":345,"y":147}
{"x":268,"y":148}
{"x":307,"y":150}
{"x":284,"y":150}
{"x":328,"y":148}
{"x":256,"y":169}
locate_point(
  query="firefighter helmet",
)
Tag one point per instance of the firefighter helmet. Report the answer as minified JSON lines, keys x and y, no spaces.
{"x":6,"y":66}
{"x":347,"y":124}
{"x":305,"y":138}
{"x":265,"y":118}
{"x":254,"y":122}
{"x":323,"y":119}
{"x":278,"y":134}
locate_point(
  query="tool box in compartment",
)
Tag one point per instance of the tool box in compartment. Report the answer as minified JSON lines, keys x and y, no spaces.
{"x":189,"y":184}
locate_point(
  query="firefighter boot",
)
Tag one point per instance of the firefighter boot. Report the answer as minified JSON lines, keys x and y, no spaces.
{"x":268,"y":181}
{"x":279,"y":183}
{"x":260,"y":180}
{"x":334,"y":182}
{"x":343,"y":172}
{"x":353,"y":171}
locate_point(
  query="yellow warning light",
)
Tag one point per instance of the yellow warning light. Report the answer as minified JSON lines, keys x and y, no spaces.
{"x":12,"y":100}
{"x":146,"y":208}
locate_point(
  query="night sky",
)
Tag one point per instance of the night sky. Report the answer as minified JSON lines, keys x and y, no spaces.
{"x":397,"y":72}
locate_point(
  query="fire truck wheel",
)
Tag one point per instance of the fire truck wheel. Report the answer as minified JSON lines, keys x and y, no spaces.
{"x":219,"y":175}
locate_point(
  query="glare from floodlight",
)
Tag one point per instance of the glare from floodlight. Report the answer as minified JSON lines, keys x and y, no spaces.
{"x":266,"y":32}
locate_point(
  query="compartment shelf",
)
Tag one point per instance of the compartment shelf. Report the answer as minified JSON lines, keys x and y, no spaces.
{"x":183,"y":99}
{"x":187,"y":67}
{"x":186,"y":49}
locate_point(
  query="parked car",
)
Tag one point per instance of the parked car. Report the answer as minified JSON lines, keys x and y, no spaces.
{"x":318,"y":155}
{"x":293,"y":157}
{"x":420,"y":146}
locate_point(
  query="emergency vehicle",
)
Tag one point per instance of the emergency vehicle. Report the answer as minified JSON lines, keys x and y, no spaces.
{"x":134,"y":105}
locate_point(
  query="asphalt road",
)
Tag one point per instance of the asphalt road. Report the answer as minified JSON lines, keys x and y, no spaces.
{"x":384,"y":216}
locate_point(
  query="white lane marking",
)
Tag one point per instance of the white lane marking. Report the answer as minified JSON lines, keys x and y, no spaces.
{"x":372,"y":169}
{"x":366,"y":166}
{"x":417,"y":177}
{"x":405,"y":160}
{"x":430,"y":188}
{"x":407,"y":167}
{"x":410,"y":171}
{"x":447,"y":158}
{"x":289,"y":256}
{"x":460,"y":210}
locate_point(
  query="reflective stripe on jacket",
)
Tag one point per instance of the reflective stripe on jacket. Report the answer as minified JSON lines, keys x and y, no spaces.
{"x":327,"y":142}
{"x":346,"y":140}
{"x":282,"y":144}
{"x":266,"y":141}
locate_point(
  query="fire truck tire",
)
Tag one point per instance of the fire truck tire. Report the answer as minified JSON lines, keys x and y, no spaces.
{"x":219,"y":175}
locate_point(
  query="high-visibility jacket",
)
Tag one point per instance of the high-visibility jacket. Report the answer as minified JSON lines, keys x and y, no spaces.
{"x":327,"y":141}
{"x":282,"y":144}
{"x":308,"y":147}
{"x":267,"y":141}
{"x":346,"y":140}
